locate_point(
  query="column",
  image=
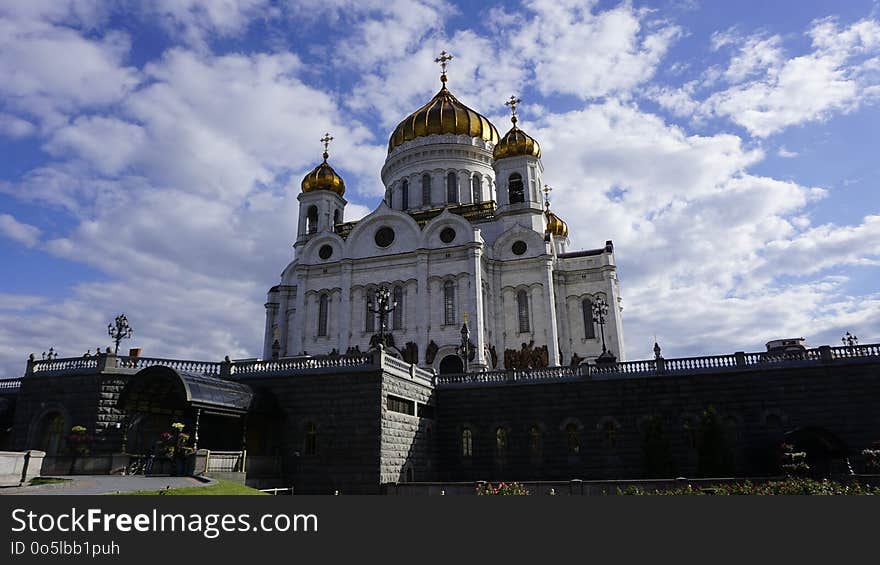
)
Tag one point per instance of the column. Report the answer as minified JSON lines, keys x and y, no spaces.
{"x":476,"y":255}
{"x":423,"y":305}
{"x":295,"y":346}
{"x":552,"y":330}
{"x":345,"y":309}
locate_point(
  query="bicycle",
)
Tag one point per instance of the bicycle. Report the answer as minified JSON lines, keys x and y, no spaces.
{"x":140,"y":465}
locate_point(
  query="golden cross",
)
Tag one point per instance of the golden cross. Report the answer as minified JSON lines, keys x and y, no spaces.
{"x":443,"y":59}
{"x":512,"y":105}
{"x":547,"y":190}
{"x":326,"y":141}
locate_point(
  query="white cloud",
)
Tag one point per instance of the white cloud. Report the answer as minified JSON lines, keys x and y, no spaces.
{"x":13,"y":126}
{"x":197,"y":21}
{"x":25,"y":234}
{"x":786,"y":154}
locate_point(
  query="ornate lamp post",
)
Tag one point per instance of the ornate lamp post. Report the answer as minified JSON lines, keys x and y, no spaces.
{"x":464,"y":349}
{"x":120,"y":330}
{"x":600,"y":311}
{"x":849,"y":340}
{"x":382,"y":305}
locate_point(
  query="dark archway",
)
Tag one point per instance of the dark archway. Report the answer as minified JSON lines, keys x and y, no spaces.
{"x":451,"y":364}
{"x":51,"y":432}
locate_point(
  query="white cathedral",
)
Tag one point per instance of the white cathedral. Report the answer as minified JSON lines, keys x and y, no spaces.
{"x":463,"y":235}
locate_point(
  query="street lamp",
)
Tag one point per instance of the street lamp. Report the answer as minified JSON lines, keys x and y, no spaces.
{"x":600,"y":312}
{"x":465,"y":348}
{"x":120,"y":330}
{"x":382,"y":304}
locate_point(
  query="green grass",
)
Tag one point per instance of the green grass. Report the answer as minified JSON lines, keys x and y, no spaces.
{"x":221,"y":488}
{"x":36,"y":481}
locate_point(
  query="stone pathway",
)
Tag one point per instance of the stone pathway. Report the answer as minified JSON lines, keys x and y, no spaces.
{"x":106,"y":484}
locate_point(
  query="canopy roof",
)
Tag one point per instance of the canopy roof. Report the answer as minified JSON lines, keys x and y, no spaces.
{"x":165,"y":390}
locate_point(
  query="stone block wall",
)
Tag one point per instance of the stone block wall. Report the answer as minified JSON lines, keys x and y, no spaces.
{"x":843,"y":398}
{"x":345,"y":409}
{"x":84,"y":399}
{"x":408,"y":449}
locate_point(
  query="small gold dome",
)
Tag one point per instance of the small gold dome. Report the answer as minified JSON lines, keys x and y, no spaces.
{"x":444,"y":114}
{"x":555,"y":225}
{"x":516,"y":142}
{"x":323,"y":177}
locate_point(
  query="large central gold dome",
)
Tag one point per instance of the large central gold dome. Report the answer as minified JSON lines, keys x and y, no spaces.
{"x":444,"y":114}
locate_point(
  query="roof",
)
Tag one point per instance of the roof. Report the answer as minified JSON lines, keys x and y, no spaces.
{"x":165,"y":387}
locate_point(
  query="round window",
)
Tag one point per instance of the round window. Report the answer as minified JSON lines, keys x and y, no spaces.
{"x":519,"y":247}
{"x":447,"y":235}
{"x":384,"y":237}
{"x":325,"y":252}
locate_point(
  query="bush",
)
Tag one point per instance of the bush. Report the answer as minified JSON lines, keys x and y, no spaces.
{"x":789,"y":486}
{"x":503,"y":489}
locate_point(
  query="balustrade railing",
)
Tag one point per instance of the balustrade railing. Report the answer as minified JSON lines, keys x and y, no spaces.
{"x":197,"y":367}
{"x":10,"y":384}
{"x":277,"y":365}
{"x":65,"y":364}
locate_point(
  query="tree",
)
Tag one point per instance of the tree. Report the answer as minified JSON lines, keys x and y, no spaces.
{"x":714,"y":452}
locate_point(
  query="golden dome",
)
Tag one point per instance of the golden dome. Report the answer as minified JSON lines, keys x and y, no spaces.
{"x":516,"y":142}
{"x":323,"y":177}
{"x":444,"y":114}
{"x":556,"y":226}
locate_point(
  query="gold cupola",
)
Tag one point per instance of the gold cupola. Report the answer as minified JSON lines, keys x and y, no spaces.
{"x":323,"y":177}
{"x":556,"y":226}
{"x":516,"y":142}
{"x":444,"y":114}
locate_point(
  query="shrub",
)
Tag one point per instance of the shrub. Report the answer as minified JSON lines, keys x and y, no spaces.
{"x":502,"y":489}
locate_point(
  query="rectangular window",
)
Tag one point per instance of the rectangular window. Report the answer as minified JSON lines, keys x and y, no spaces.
{"x":401,"y":405}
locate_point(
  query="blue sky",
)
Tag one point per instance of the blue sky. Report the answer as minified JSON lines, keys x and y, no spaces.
{"x":151,"y":153}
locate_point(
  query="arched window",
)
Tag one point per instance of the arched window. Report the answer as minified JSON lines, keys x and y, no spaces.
{"x":337,"y":217}
{"x":500,"y":442}
{"x":452,"y":188}
{"x":323,"y":307}
{"x":535,"y":441}
{"x":391,"y":197}
{"x":467,"y":443}
{"x":572,"y":438}
{"x":589,"y":325}
{"x":515,"y":189}
{"x":522,"y":310}
{"x":404,"y":195}
{"x":312,"y":220}
{"x":476,"y":192}
{"x":426,"y":189}
{"x":397,"y":313}
{"x":369,"y":316}
{"x":449,"y":302}
{"x":311,"y":442}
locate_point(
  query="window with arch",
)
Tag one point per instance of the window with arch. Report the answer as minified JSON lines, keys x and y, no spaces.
{"x":369,"y":316}
{"x":572,"y":438}
{"x":515,"y":189}
{"x":391,"y":197}
{"x":452,"y":188}
{"x":397,"y":313}
{"x":522,"y":311}
{"x":476,"y":192}
{"x":535,"y":441}
{"x":323,"y":311}
{"x":589,"y":325}
{"x":337,"y":217}
{"x":500,"y":442}
{"x":449,"y":302}
{"x":426,"y":189}
{"x":467,"y":443}
{"x":310,"y":446}
{"x":404,"y":195}
{"x":312,"y":220}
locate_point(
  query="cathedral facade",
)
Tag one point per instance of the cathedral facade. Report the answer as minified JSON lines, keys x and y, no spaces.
{"x":464,"y":235}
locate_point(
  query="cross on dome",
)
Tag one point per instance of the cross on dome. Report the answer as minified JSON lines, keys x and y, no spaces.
{"x":326,"y":141}
{"x":512,"y":105}
{"x":443,"y":59}
{"x":547,"y":189}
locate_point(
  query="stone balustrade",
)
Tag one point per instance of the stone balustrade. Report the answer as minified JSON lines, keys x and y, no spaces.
{"x":10,"y":385}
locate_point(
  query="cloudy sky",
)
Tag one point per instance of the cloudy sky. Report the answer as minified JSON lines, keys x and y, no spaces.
{"x":151,"y":153}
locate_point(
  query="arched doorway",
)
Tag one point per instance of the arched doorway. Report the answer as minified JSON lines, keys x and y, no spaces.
{"x":52,"y":433}
{"x":827,"y":454}
{"x":451,"y":364}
